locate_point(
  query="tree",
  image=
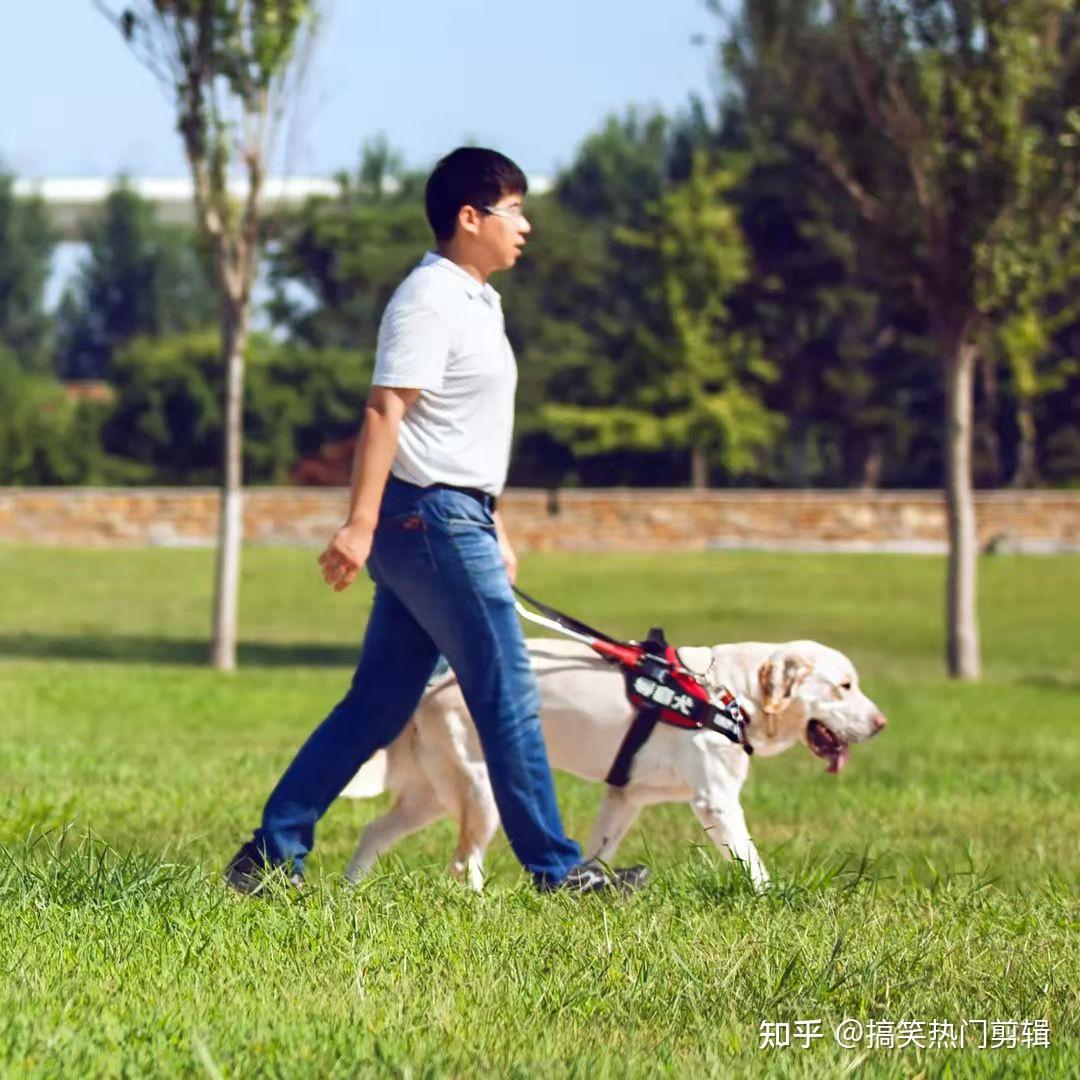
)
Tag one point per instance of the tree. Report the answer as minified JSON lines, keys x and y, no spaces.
{"x":26,"y":246}
{"x":335,"y":262}
{"x":851,"y":379}
{"x":1034,"y":270}
{"x":697,"y":388}
{"x":230,"y":66}
{"x":141,"y":278}
{"x":925,"y":115}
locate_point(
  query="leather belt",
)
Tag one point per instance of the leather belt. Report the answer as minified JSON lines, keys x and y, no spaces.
{"x":489,"y":502}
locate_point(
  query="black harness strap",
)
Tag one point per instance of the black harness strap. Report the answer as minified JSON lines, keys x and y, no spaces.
{"x":641,"y":727}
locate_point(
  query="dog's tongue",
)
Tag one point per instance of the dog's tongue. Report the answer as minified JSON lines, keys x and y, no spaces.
{"x":838,"y":760}
{"x":827,"y":745}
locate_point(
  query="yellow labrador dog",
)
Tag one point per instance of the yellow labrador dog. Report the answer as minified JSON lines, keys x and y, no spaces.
{"x":796,"y":692}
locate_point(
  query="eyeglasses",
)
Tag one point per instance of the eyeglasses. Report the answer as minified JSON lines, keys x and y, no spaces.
{"x":509,"y":213}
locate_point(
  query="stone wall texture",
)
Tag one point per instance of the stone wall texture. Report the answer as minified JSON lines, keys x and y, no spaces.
{"x":570,"y":520}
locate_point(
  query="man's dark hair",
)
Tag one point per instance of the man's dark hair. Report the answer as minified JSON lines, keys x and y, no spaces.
{"x":468,"y":176}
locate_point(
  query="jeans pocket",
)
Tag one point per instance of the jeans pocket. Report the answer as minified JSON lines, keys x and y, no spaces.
{"x":402,"y":540}
{"x":409,"y":521}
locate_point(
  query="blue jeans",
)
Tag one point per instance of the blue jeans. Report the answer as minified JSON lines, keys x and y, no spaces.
{"x":440,"y":587}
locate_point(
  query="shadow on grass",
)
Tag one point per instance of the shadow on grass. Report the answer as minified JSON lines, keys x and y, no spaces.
{"x":1052,"y":682}
{"x":183,"y":652}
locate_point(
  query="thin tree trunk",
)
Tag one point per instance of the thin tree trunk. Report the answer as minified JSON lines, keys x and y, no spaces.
{"x":962,"y":627}
{"x":231,"y":517}
{"x":987,"y":463}
{"x":699,"y":469}
{"x":800,"y":452}
{"x":1026,"y":474}
{"x":873,"y":462}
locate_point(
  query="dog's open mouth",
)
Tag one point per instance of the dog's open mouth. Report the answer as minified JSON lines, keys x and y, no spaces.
{"x":827,"y":744}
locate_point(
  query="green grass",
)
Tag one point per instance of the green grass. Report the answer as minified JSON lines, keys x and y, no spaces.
{"x":933,"y":880}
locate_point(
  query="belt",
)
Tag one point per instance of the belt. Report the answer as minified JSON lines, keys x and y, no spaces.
{"x":489,"y":502}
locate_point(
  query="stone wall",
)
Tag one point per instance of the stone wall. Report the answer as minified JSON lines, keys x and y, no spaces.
{"x":571,"y":520}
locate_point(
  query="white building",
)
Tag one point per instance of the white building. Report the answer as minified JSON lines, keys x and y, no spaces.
{"x":71,"y":201}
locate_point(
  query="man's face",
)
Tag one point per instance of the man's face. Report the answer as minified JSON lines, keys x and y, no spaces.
{"x":501,"y":230}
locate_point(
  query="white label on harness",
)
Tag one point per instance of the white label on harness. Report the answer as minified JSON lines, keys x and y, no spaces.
{"x":683,"y":703}
{"x":664,"y":696}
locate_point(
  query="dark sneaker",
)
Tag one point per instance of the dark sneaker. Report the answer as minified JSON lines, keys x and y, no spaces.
{"x":629,"y":879}
{"x":248,"y":871}
{"x":593,"y":876}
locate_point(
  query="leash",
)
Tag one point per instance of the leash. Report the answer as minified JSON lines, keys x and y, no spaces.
{"x":659,"y":687}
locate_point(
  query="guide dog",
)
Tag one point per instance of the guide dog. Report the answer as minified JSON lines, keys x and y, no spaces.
{"x":800,"y":691}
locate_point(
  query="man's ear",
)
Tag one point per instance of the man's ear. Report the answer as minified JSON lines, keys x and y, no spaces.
{"x":779,"y":676}
{"x":468,"y":219}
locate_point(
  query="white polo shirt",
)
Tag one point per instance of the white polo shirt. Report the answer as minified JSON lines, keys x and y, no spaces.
{"x":443,"y":334}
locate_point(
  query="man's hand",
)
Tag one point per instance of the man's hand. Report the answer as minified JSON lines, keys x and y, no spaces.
{"x":350,"y":547}
{"x":345,"y":555}
{"x":505,"y":550}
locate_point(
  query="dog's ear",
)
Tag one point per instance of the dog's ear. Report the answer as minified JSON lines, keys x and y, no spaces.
{"x":695,"y":658}
{"x":779,"y":676}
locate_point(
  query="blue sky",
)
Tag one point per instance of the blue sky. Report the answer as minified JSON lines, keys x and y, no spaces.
{"x":531,"y":79}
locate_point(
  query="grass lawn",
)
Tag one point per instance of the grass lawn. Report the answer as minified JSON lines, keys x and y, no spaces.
{"x":934,"y":880}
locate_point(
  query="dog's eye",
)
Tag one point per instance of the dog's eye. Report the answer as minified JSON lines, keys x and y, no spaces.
{"x":846,"y":685}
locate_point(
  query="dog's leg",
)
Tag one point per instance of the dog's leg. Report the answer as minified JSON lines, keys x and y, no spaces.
{"x":478,"y":826}
{"x":715,"y":785}
{"x":456,"y":772}
{"x":726,"y":825}
{"x":411,"y":812}
{"x":617,"y":813}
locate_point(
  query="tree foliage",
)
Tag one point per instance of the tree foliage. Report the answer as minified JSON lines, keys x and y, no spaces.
{"x":140,"y":279}
{"x":701,"y":378}
{"x":47,"y":439}
{"x":335,"y":262}
{"x":26,"y":247}
{"x":168,"y":413}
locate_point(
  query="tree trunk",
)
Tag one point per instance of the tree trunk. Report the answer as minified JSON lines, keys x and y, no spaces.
{"x":798,"y":443}
{"x":962,"y":627}
{"x":873,"y":463}
{"x":986,"y":467}
{"x":1026,"y":474}
{"x":699,"y":469}
{"x":231,"y":517}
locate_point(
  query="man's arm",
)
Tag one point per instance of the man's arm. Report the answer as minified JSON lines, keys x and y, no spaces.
{"x":350,"y":546}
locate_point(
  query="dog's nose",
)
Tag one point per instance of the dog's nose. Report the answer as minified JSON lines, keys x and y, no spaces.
{"x":879,"y":721}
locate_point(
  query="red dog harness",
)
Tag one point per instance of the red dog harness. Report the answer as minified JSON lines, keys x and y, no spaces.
{"x":659,"y":687}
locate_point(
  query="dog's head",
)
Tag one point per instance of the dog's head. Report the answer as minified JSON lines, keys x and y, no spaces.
{"x":810,"y":691}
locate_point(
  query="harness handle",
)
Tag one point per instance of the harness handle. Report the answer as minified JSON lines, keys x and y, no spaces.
{"x":562,"y":621}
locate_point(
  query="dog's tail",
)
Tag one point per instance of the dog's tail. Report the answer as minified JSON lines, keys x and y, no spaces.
{"x":370,"y":780}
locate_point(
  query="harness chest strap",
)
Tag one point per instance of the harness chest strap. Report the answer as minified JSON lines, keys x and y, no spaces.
{"x":641,"y":727}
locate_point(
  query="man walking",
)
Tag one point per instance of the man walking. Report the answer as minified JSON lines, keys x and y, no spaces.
{"x":431,"y":459}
